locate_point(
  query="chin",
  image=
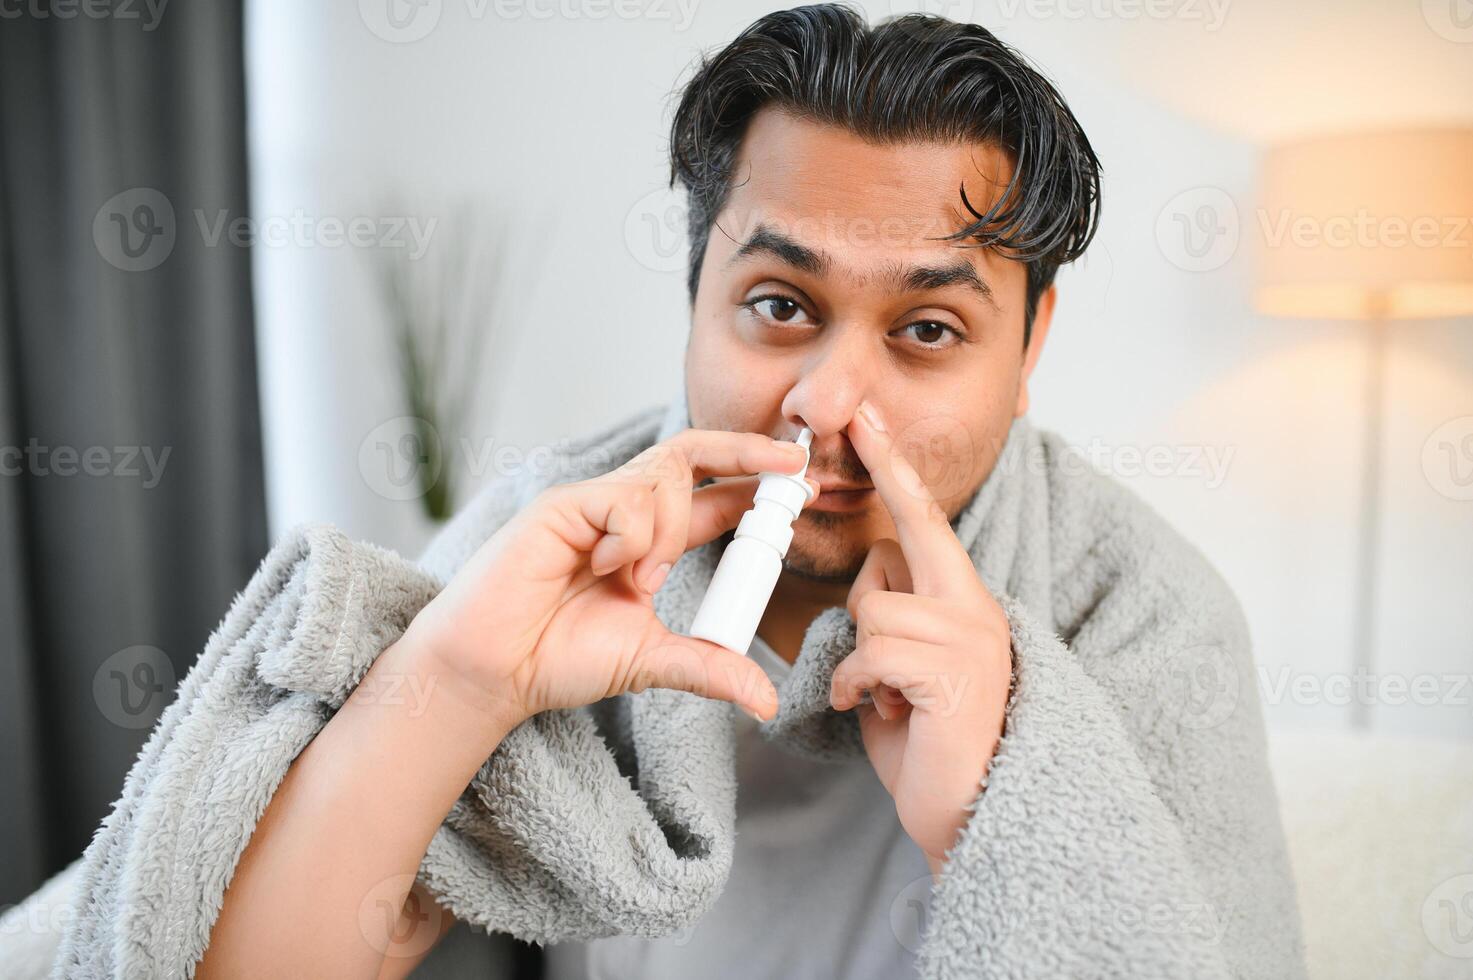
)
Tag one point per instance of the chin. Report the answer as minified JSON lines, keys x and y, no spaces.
{"x":831,"y":549}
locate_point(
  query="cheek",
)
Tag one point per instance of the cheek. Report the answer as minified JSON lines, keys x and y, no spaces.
{"x":953,"y":447}
{"x":703,"y":377}
{"x":722,"y":391}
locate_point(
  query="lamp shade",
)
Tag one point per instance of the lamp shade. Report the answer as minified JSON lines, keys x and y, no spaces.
{"x":1368,"y":225}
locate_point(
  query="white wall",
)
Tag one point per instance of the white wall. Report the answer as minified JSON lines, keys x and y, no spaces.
{"x":559,"y":125}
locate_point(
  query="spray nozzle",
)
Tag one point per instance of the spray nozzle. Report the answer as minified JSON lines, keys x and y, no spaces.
{"x":805,"y":439}
{"x":789,"y":489}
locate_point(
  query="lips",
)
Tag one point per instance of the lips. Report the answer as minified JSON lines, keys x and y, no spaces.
{"x":842,"y":497}
{"x":837,"y":486}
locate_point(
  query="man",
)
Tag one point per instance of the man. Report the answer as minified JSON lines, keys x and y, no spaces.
{"x":877,"y":216}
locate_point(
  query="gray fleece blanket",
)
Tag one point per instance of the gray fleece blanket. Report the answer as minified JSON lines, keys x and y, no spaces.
{"x":1128,"y":827}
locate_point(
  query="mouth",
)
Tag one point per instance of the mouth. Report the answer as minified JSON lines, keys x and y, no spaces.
{"x":841,"y":497}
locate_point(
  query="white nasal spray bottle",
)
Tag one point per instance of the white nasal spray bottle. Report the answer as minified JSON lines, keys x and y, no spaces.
{"x":748,"y":570}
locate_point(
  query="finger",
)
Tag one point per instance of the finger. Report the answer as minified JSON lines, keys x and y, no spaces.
{"x":714,"y":452}
{"x":884,"y":569}
{"x":918,"y":670}
{"x":721,"y":453}
{"x":673,"y":466}
{"x":622,"y":516}
{"x":932,"y":552}
{"x":708,"y":513}
{"x":719,"y":506}
{"x":901,"y":614}
{"x":889,"y":703}
{"x":672,"y":504}
{"x":685,"y":663}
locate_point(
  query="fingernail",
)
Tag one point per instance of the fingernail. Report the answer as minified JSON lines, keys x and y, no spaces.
{"x":752,"y":714}
{"x":657,"y":579}
{"x":871,"y":416}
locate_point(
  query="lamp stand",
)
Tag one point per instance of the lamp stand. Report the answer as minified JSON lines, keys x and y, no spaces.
{"x":1364,"y":615}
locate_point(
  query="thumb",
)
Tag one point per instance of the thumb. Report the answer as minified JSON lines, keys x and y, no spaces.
{"x":685,"y":663}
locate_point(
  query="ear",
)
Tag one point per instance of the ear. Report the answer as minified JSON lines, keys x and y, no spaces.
{"x":1042,"y":318}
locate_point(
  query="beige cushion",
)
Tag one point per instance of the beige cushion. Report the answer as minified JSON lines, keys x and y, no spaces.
{"x":1380,"y":834}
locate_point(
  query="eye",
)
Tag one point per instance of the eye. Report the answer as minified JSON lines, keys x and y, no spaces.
{"x":932,"y":334}
{"x":776,"y":307}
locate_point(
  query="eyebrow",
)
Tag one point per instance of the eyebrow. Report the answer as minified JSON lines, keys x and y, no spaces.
{"x":766,"y":241}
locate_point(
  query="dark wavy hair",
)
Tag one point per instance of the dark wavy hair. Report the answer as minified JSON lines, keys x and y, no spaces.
{"x":915,"y":77}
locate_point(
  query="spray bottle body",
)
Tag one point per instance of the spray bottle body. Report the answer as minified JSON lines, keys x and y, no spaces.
{"x":744,"y":579}
{"x":740,"y":590}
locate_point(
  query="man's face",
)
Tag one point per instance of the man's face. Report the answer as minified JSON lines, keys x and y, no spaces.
{"x":824,"y":285}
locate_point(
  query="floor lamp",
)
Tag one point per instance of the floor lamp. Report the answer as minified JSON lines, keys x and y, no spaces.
{"x":1375,"y":227}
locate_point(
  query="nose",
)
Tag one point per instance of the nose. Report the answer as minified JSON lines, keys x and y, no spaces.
{"x":832,"y":385}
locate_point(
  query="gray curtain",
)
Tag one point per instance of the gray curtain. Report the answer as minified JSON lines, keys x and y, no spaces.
{"x":131,"y":495}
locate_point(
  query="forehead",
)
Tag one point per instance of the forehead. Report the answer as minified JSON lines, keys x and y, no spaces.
{"x":861,"y":201}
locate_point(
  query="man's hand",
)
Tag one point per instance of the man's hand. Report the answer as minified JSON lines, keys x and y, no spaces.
{"x":932,"y":647}
{"x":556,"y":609}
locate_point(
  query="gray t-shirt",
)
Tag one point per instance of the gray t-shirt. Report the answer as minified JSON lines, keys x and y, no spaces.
{"x":824,"y":881}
